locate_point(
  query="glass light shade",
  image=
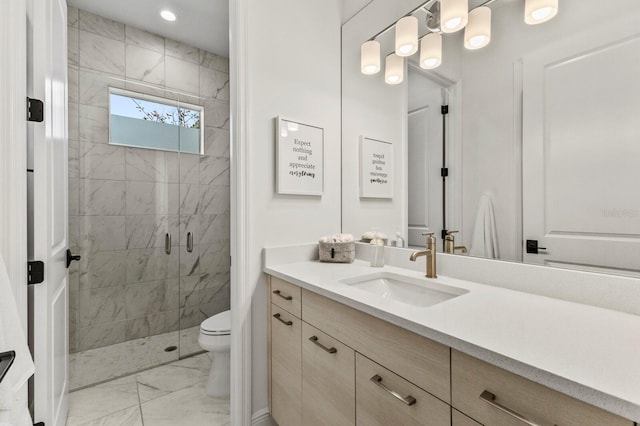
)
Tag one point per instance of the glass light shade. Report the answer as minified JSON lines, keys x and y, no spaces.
{"x":431,"y":51}
{"x":407,"y":36}
{"x":370,"y":57}
{"x":539,"y":11}
{"x":477,"y":33}
{"x":394,"y":69}
{"x":454,"y":15}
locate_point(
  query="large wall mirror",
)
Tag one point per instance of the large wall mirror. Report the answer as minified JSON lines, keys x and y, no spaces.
{"x":541,"y":141}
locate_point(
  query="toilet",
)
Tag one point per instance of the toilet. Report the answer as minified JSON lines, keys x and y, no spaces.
{"x":215,"y":337}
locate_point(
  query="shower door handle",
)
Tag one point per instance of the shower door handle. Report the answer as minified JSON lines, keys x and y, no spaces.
{"x":189,"y":242}
{"x":167,"y":243}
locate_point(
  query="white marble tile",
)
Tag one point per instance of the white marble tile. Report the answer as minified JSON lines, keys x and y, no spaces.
{"x":142,"y":299}
{"x":146,"y":165}
{"x":146,"y":326}
{"x":189,"y":199}
{"x":100,"y":335}
{"x":73,"y":121}
{"x":189,"y":340}
{"x":216,"y":113}
{"x":72,"y":46}
{"x":189,"y":168}
{"x":74,"y":154}
{"x":101,"y":26}
{"x":217,"y":142}
{"x":101,"y":53}
{"x":144,"y":65}
{"x":128,"y":417}
{"x":189,"y":223}
{"x":215,"y":62}
{"x":214,"y":170}
{"x":102,"y":233}
{"x":182,"y":75}
{"x":74,"y":196}
{"x":152,"y":198}
{"x":147,"y":231}
{"x":190,"y":261}
{"x":214,"y":199}
{"x":144,"y":39}
{"x":93,"y":124}
{"x":98,"y":401}
{"x":152,"y":264}
{"x":214,"y":84}
{"x":102,"y":197}
{"x":182,"y":51}
{"x":102,"y":161}
{"x":214,"y":227}
{"x":146,"y":88}
{"x":72,"y":16}
{"x":102,"y":305}
{"x":169,"y":378}
{"x":72,"y":86}
{"x":94,"y":87}
{"x":102,"y":269}
{"x":214,"y":257}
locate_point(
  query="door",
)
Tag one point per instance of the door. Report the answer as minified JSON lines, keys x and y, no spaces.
{"x":581,"y":100}
{"x":47,"y":57}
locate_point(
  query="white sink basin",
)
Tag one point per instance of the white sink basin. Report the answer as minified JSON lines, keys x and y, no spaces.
{"x":412,"y":291}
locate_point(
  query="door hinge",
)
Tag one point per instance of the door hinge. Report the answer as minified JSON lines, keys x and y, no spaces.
{"x":35,"y":110}
{"x":444,"y":172}
{"x":444,"y":109}
{"x":35,"y":272}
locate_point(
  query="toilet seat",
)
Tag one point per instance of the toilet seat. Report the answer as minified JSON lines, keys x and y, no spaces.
{"x":217,"y":325}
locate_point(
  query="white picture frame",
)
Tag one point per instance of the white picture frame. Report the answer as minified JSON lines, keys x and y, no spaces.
{"x":299,"y":158}
{"x":376,"y":168}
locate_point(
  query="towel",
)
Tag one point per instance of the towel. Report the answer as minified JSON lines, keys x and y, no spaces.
{"x":337,"y":238}
{"x":12,"y":337}
{"x":484,"y":242}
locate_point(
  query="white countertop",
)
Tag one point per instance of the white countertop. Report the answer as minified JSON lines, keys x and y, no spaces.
{"x":587,"y":352}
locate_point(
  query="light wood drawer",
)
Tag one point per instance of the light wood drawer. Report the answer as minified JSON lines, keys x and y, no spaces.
{"x":459,"y":419}
{"x":286,"y":295}
{"x":376,"y":405}
{"x":539,"y":404}
{"x":286,"y":371}
{"x":328,"y":380}
{"x":422,"y":361}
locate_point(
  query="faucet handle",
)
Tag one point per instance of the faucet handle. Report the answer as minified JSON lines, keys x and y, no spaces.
{"x":452,"y":232}
{"x":428,"y":233}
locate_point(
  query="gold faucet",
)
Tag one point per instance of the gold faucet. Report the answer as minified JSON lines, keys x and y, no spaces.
{"x":430,"y":253}
{"x":450,"y":243}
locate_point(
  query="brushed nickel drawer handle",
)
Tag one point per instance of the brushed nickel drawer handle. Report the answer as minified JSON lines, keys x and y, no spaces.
{"x":277,"y":316}
{"x":490,"y":399}
{"x":314,"y":339}
{"x":284,"y":296}
{"x":409,"y":400}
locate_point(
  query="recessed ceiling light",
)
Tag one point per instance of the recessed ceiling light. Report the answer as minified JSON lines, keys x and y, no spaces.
{"x":168,"y":15}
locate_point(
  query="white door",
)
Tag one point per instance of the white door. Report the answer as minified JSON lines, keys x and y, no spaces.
{"x":48,"y":81}
{"x":581,"y":151}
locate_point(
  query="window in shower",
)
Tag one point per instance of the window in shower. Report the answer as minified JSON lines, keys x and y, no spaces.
{"x":144,"y":121}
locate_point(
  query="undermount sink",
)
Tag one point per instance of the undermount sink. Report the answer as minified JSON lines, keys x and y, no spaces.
{"x":412,"y":291}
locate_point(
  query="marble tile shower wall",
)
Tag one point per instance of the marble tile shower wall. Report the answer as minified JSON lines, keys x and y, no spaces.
{"x":122,"y":201}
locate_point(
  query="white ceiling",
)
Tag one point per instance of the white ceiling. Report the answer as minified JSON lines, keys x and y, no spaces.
{"x":201,"y":23}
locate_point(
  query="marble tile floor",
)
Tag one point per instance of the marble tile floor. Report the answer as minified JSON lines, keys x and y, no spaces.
{"x":169,"y":395}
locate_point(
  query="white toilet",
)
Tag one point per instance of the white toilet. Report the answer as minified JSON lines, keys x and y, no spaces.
{"x":215,"y":337}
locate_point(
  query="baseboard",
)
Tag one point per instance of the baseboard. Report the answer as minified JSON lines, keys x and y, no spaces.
{"x":262,"y":418}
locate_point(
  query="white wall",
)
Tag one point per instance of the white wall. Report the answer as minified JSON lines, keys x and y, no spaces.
{"x":293,"y":64}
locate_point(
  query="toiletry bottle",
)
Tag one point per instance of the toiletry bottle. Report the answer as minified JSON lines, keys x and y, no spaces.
{"x":399,"y":240}
{"x":377,"y":252}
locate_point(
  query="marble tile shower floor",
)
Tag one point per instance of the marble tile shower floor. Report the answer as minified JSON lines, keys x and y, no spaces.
{"x":170,"y":395}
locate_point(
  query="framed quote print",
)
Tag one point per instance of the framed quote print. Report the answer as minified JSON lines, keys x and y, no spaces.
{"x":376,"y":168}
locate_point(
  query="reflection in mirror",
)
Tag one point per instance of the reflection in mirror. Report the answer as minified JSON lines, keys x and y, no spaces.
{"x":541,"y":140}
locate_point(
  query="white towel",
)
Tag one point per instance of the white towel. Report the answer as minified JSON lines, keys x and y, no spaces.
{"x":484,"y":242}
{"x":12,"y":337}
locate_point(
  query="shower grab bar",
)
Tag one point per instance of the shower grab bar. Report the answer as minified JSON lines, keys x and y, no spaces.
{"x":189,"y":242}
{"x":167,"y":243}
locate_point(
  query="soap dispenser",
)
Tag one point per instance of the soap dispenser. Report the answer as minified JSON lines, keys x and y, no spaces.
{"x":399,"y":240}
{"x":377,"y":252}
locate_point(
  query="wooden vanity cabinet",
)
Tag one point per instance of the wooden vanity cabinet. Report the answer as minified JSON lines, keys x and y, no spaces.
{"x":286,"y":368}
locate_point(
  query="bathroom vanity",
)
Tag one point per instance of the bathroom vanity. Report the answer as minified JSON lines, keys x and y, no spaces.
{"x":351,"y":344}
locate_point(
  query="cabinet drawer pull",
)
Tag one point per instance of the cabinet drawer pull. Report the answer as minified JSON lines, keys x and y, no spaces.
{"x":314,"y":339}
{"x":284,"y":296}
{"x":277,"y":316}
{"x":409,"y":400}
{"x":490,"y":399}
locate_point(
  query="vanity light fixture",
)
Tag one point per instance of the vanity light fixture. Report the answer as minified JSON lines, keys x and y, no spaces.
{"x":454,"y":15}
{"x":407,"y":36}
{"x":394,"y":69}
{"x":370,"y":57}
{"x":167,"y":15}
{"x":539,"y":11}
{"x":477,"y":33}
{"x":431,"y":51}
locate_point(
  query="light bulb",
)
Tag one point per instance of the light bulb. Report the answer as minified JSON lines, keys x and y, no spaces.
{"x":394,"y":69}
{"x":431,"y":51}
{"x":168,"y":15}
{"x":454,"y":15}
{"x":477,"y":33}
{"x":370,"y":57}
{"x":407,"y":36}
{"x":539,"y":11}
